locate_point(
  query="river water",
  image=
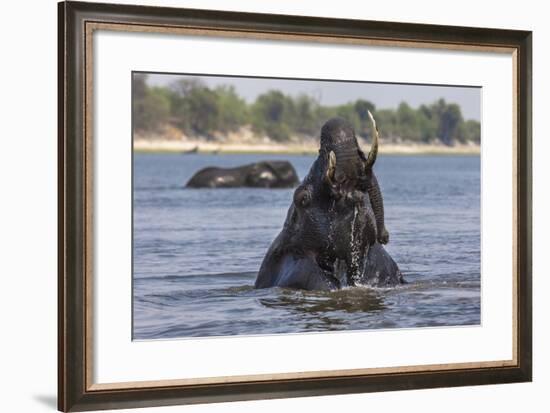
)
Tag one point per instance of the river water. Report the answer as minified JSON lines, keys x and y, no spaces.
{"x":196,"y":252}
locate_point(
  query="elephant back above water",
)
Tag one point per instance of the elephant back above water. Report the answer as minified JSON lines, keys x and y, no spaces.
{"x":265,"y":174}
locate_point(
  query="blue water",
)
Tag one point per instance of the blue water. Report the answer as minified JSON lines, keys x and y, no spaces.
{"x":197,"y":251}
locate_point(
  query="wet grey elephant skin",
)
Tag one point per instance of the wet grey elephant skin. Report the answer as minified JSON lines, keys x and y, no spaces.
{"x":334,"y":231}
{"x":266,"y":174}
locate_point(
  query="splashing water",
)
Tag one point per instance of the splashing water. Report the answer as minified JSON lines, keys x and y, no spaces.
{"x":355,"y":248}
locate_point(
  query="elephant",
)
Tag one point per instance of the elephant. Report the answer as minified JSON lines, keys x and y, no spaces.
{"x":265,"y":174}
{"x":334,"y":231}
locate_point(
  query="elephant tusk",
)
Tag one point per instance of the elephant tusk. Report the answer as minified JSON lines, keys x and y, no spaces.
{"x":331,"y":170}
{"x":371,"y":159}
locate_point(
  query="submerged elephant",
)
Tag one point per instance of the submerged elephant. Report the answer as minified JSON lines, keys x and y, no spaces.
{"x":334,"y":229}
{"x":266,"y":174}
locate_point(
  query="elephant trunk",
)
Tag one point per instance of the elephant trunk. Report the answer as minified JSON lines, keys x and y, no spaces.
{"x":348,"y":163}
{"x":377,"y":203}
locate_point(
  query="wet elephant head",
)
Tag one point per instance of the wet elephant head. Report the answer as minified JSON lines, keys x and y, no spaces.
{"x":344,"y":164}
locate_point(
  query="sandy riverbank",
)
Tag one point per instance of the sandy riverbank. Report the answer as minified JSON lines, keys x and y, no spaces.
{"x":142,"y":145}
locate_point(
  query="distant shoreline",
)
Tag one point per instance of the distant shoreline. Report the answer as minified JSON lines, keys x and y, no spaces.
{"x":201,"y":147}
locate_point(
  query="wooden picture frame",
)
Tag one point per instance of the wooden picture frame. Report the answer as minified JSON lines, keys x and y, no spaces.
{"x":77,"y":21}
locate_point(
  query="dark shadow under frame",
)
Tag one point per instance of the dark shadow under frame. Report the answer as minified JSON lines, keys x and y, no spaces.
{"x":74,"y":394}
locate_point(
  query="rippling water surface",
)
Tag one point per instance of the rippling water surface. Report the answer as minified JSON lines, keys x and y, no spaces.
{"x":197,"y":251}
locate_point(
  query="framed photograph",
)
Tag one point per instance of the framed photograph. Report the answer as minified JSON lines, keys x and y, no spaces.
{"x":259,"y":206}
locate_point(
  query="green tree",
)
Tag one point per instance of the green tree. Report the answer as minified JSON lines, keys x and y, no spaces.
{"x":201,"y":110}
{"x":386,"y":119}
{"x":470,"y":131}
{"x":183,"y":87}
{"x":271,"y":113}
{"x":408,"y":121}
{"x":189,"y":104}
{"x":448,"y":118}
{"x":449,"y":124}
{"x":194,"y":107}
{"x":151,"y":106}
{"x":305,"y":117}
{"x":232,"y":109}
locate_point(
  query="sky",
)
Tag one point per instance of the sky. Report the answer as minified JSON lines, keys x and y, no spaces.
{"x":383,"y":95}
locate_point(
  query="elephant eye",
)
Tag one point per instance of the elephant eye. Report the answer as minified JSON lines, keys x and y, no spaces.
{"x":302,"y":197}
